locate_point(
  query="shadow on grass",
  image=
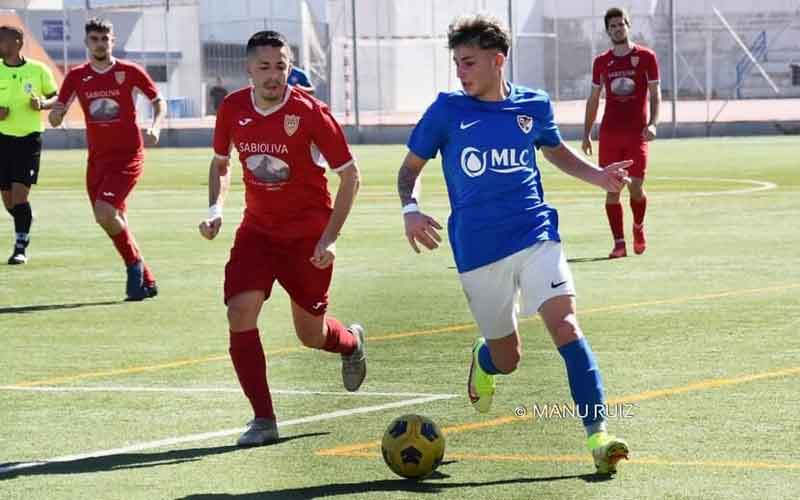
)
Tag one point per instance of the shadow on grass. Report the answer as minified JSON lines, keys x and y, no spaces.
{"x":55,"y":307}
{"x":427,"y":486}
{"x":124,"y":461}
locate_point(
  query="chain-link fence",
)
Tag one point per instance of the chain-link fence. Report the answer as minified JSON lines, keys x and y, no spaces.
{"x":194,"y":49}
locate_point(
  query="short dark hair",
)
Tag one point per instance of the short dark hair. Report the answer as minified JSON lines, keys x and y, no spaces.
{"x":481,"y":30}
{"x":99,"y":25}
{"x":267,"y":38}
{"x":13,"y":31}
{"x":617,"y":12}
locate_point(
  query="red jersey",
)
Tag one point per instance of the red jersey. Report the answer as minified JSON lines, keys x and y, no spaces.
{"x":108,"y":101}
{"x":286,"y":191}
{"x":625,"y":80}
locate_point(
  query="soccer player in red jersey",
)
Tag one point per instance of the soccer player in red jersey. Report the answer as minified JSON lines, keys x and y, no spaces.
{"x":627,"y":72}
{"x":289,"y":228}
{"x":106,"y":87}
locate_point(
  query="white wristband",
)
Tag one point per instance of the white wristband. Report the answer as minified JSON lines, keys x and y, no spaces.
{"x":410,"y":208}
{"x":215,"y":212}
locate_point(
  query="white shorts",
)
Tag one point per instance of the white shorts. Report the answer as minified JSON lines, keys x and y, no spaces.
{"x":527,"y":278}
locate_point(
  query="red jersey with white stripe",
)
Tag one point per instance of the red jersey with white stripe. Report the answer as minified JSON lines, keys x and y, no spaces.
{"x":108,"y":100}
{"x":286,"y":191}
{"x":625,"y":80}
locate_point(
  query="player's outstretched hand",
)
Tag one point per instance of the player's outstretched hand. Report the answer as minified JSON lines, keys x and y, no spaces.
{"x":587,"y":146}
{"x":209,"y":228}
{"x":324,"y":254}
{"x":421,"y":228}
{"x":151,"y":136}
{"x":615,"y":176}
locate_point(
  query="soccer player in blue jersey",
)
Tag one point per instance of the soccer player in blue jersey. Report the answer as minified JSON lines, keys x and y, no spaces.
{"x":504,"y":236}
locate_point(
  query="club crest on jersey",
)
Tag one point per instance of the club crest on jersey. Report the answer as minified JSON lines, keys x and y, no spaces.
{"x":28,"y":87}
{"x":634,"y":60}
{"x":119,"y":76}
{"x":290,"y":124}
{"x":525,"y":123}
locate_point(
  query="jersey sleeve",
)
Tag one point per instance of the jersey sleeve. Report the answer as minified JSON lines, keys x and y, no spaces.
{"x":597,"y":77}
{"x":68,"y":89}
{"x":545,"y":130}
{"x":328,"y":136}
{"x":143,"y":82}
{"x":652,"y":68}
{"x":301,"y":78}
{"x":429,"y":134}
{"x":223,"y":131}
{"x":48,"y":82}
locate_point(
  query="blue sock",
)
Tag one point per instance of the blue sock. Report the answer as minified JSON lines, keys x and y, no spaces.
{"x":585,"y":382}
{"x":485,"y":360}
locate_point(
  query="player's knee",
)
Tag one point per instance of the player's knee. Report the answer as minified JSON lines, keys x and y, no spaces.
{"x":567,"y":330}
{"x":104,"y":215}
{"x":241,"y":316}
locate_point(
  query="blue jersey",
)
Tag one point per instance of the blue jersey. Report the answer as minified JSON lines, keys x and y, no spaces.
{"x":299,"y":77}
{"x":489,"y":163}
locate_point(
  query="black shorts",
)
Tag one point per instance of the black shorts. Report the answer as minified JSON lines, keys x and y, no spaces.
{"x":19,"y":159}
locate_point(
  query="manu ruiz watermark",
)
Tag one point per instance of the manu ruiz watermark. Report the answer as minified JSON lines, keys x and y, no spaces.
{"x":543,"y":411}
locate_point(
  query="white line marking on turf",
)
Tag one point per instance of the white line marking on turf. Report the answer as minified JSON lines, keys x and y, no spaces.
{"x":758,"y":185}
{"x":236,"y":390}
{"x":191,"y":438}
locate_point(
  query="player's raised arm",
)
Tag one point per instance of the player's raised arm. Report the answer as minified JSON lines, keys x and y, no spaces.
{"x":611,"y":179}
{"x":419,"y":227}
{"x":219,"y":180}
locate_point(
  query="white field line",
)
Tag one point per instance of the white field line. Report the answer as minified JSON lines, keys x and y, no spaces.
{"x":757,"y":186}
{"x":191,"y":438}
{"x":235,"y":390}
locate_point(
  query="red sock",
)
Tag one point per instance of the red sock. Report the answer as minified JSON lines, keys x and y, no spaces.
{"x":638,"y":207}
{"x":149,"y":279}
{"x":338,"y":338}
{"x":126,"y":246}
{"x":250,"y":364}
{"x":614,"y":214}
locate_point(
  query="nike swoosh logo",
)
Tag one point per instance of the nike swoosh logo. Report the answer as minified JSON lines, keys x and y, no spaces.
{"x":465,"y":126}
{"x":556,"y":285}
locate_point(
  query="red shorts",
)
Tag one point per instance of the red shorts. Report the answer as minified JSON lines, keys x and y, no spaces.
{"x":257,"y":260}
{"x":112,"y":182}
{"x":619,"y":147}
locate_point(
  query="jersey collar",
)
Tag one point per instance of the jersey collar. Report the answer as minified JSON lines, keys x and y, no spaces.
{"x":104,"y":71}
{"x":273,"y":109}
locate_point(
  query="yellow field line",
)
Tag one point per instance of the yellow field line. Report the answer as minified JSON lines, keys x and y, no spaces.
{"x":728,"y":464}
{"x":391,"y":336}
{"x":357,"y":448}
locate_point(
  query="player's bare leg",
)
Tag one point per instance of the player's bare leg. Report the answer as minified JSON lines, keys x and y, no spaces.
{"x":615,"y":222}
{"x":638,"y":207}
{"x":250,"y":364}
{"x":328,"y":334}
{"x":16,"y":203}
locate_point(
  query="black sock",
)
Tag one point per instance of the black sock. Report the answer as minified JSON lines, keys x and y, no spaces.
{"x":23,"y":217}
